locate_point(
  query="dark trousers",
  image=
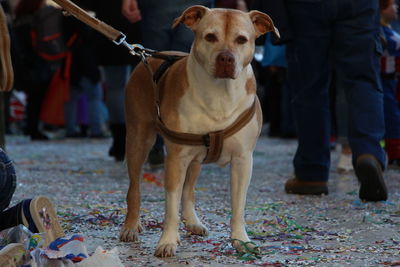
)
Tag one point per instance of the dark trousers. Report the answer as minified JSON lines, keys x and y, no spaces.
{"x":343,"y":34}
{"x":12,"y":216}
{"x":36,"y":94}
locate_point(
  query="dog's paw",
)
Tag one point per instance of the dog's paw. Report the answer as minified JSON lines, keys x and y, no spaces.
{"x":197,"y":229}
{"x":165,"y":250}
{"x":245,"y":246}
{"x":128,"y":234}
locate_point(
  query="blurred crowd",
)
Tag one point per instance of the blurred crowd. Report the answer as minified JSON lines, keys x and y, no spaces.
{"x":69,"y":79}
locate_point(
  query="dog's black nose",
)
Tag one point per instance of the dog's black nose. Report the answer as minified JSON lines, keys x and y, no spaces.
{"x":225,"y":58}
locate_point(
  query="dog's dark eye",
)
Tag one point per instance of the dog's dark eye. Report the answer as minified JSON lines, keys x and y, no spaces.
{"x":212,"y":38}
{"x":241,"y":39}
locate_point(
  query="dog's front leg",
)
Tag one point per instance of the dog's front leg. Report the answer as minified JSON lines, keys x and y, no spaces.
{"x":175,"y":172}
{"x":241,"y":170}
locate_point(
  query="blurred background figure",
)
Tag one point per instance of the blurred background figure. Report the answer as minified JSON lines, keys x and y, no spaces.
{"x":233,"y":4}
{"x":275,"y":95}
{"x":323,"y":41}
{"x":115,"y":65}
{"x":37,"y":58}
{"x":389,"y":77}
{"x":86,"y":90}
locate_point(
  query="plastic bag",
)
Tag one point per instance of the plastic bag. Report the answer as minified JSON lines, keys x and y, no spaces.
{"x":102,"y":258}
{"x":21,"y":234}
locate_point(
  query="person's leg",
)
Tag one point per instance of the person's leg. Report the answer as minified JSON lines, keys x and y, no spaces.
{"x":273,"y":95}
{"x":71,"y":110}
{"x":116,"y":78}
{"x":13,"y":216}
{"x":94,"y":93}
{"x":181,"y":39}
{"x":7,"y":183}
{"x":158,"y":35}
{"x":358,"y":73}
{"x":36,"y":94}
{"x":308,"y":78}
{"x":37,"y":214}
{"x":287,"y":123}
{"x":156,"y":26}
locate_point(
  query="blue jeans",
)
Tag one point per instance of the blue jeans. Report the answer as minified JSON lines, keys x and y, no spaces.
{"x":116,"y":78}
{"x":9,"y":217}
{"x":94,"y":94}
{"x":158,"y":19}
{"x":342,"y":34}
{"x":7,"y":180}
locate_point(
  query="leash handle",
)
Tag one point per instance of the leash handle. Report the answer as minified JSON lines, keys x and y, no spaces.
{"x":91,"y":21}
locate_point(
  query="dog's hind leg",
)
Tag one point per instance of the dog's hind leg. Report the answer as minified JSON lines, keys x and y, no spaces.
{"x":189,"y":216}
{"x":140,"y":138}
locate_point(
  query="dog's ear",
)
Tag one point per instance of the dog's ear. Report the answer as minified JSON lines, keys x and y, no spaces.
{"x":262,"y":23}
{"x":191,"y":16}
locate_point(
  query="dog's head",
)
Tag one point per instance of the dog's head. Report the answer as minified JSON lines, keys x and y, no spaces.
{"x":224,"y":38}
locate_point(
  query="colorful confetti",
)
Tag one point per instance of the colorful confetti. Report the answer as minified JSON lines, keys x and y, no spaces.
{"x":89,"y":191}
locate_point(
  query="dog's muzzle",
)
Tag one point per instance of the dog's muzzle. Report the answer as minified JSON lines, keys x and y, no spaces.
{"x":225,"y":65}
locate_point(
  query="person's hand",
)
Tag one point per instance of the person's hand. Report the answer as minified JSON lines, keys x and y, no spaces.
{"x":131,"y":10}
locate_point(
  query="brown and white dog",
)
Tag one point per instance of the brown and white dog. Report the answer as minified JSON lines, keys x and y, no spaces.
{"x":201,"y":93}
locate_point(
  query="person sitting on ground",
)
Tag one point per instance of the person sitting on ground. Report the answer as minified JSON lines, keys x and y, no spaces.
{"x":37,"y":214}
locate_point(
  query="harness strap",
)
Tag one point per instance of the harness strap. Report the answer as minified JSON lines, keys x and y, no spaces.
{"x":213,"y":141}
{"x":215,"y":147}
{"x":169,"y":61}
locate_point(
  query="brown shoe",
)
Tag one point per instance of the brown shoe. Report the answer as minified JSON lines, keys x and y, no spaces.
{"x":297,"y":186}
{"x":370,"y":176}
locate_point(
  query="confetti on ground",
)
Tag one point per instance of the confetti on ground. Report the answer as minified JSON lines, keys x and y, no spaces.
{"x":89,"y":191}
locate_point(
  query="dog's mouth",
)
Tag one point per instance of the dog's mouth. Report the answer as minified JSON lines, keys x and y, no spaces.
{"x":224,"y":74}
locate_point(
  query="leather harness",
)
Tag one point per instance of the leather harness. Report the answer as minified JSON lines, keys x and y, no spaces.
{"x":213,"y":141}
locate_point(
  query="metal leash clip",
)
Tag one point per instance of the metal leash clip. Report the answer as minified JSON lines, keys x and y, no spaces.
{"x":134,"y":49}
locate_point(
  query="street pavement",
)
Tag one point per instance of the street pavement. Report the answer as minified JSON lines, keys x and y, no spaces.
{"x":88,"y":189}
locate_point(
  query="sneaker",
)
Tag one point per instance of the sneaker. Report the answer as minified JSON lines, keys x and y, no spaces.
{"x":297,"y":186}
{"x":13,"y":255}
{"x":45,"y":218}
{"x":369,"y":174}
{"x":345,"y":164}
